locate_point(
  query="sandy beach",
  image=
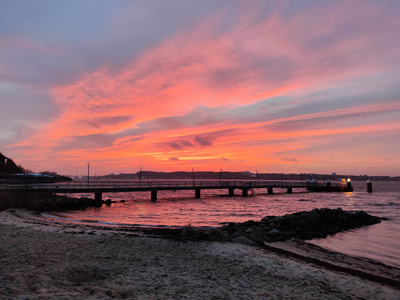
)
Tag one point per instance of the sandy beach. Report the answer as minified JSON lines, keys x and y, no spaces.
{"x":50,"y":260}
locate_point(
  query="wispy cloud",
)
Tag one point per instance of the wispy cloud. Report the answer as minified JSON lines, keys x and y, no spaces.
{"x":243,"y":86}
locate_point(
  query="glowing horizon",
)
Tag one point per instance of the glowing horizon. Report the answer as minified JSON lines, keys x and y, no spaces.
{"x":233,"y":85}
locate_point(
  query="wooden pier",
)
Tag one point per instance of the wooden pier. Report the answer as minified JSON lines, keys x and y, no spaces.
{"x":100,"y":187}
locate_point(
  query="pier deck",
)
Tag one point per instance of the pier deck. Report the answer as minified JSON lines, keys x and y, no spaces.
{"x":99,"y":187}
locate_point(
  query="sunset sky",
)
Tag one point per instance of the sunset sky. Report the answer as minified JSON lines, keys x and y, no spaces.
{"x":273,"y":86}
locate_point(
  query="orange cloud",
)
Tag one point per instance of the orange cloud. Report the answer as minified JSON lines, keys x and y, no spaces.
{"x":141,"y":113}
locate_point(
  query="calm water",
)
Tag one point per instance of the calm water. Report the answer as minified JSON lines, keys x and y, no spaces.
{"x":174,"y":209}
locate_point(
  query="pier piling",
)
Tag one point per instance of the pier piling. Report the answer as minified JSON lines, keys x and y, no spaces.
{"x":197,"y":193}
{"x":153,"y":195}
{"x":369,"y":186}
{"x":270,"y":191}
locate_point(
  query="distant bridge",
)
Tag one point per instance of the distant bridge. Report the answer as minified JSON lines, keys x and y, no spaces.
{"x":100,"y":187}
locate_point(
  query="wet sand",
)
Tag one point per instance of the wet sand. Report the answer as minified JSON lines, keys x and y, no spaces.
{"x":49,"y":260}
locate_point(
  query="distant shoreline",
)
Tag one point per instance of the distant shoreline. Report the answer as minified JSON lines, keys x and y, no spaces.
{"x":226,"y":175}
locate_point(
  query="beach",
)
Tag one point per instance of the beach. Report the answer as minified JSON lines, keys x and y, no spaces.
{"x":52,"y":260}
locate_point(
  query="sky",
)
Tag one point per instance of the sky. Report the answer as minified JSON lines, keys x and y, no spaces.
{"x":267,"y":86}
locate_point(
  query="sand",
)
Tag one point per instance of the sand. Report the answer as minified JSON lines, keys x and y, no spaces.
{"x":40,"y":259}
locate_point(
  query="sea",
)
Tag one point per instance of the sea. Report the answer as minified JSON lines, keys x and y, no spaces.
{"x":380,"y":242}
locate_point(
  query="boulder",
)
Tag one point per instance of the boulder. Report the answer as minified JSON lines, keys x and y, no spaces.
{"x":244,"y":240}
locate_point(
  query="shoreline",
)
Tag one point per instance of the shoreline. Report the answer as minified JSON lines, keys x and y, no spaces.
{"x":42,"y":259}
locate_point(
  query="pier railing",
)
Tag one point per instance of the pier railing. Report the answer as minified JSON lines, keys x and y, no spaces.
{"x":223,"y":184}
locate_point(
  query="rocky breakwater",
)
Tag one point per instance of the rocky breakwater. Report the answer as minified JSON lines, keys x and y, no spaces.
{"x":57,"y":202}
{"x":305,"y":225}
{"x":42,"y":201}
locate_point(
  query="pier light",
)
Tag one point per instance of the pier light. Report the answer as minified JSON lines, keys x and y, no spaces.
{"x":349,"y":184}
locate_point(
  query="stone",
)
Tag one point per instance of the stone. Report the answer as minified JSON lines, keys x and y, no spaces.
{"x":273,"y":232}
{"x":244,"y":240}
{"x":238,"y":233}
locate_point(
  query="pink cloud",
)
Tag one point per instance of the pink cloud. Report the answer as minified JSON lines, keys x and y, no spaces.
{"x":220,"y":66}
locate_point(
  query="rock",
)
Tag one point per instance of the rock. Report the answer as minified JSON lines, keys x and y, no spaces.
{"x":257,"y":235}
{"x":343,"y":217}
{"x":219,"y":234}
{"x":244,"y":240}
{"x":224,"y":236}
{"x":302,"y":225}
{"x":273,"y":232}
{"x":250,"y":223}
{"x":267,"y":219}
{"x":238,"y":233}
{"x":214,"y":234}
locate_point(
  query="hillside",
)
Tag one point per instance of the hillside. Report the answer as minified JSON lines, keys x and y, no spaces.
{"x":7,"y":165}
{"x":10,"y":172}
